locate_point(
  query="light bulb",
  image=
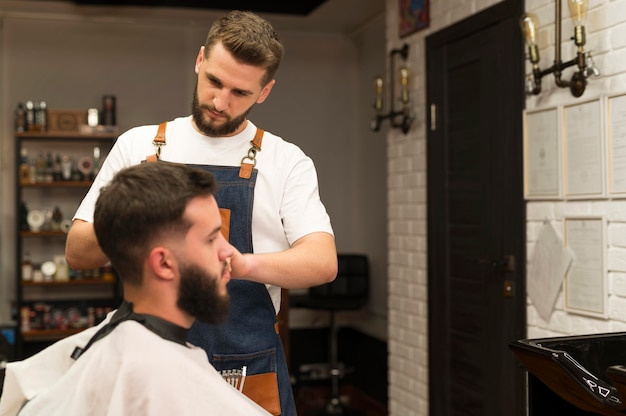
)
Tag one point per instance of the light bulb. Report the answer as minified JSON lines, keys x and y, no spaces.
{"x":404,"y":82}
{"x":530,"y":26}
{"x":578,"y":11}
{"x":378,"y":88}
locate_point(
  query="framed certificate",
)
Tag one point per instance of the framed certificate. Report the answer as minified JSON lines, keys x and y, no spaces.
{"x":542,"y":154}
{"x":616,"y":140}
{"x":586,"y":291}
{"x":583,"y":149}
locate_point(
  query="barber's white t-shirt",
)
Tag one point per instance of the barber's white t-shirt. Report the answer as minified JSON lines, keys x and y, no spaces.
{"x":287,"y":205}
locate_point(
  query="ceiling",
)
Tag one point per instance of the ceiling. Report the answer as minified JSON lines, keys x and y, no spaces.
{"x":299,"y":7}
{"x":311,"y":16}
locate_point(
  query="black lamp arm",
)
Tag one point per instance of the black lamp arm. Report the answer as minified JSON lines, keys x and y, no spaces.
{"x":579,"y":79}
{"x":405,"y":122}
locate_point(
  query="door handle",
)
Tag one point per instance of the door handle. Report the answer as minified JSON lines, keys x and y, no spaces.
{"x":505,"y":264}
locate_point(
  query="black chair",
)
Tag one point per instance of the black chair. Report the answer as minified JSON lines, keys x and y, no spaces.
{"x":349,"y":291}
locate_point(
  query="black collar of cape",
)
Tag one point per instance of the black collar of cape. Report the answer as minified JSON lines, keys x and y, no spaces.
{"x":161,"y":327}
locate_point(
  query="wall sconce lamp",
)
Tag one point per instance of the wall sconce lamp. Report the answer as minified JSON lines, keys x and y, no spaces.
{"x":404,"y":114}
{"x":586,"y":67}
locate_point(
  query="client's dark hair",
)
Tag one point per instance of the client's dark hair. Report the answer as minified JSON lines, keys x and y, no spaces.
{"x":141,"y":203}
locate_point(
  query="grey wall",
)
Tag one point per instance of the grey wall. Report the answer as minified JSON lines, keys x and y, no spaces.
{"x":322,"y":102}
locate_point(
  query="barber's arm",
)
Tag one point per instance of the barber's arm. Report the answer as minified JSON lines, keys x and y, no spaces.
{"x":311,"y":261}
{"x":82,"y":250}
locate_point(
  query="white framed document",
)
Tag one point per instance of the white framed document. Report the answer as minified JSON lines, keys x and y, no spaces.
{"x":542,"y":154}
{"x":616,"y":143}
{"x":586,"y":291}
{"x":583,"y":150}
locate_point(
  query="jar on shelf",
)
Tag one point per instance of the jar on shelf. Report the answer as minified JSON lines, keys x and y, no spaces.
{"x":27,"y":268}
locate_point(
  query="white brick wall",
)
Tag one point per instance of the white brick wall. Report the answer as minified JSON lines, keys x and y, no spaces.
{"x":408,"y":303}
{"x":606,"y":26}
{"x":408,"y":338}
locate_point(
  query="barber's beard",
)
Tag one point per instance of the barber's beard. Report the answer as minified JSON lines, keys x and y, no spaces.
{"x":199,"y":295}
{"x":209,"y":126}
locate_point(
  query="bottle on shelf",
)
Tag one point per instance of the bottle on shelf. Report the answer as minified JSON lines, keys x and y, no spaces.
{"x":49,"y":168}
{"x":96,"y":161}
{"x":20,"y":118}
{"x":40,"y":168}
{"x":108,"y":110}
{"x":25,"y":313}
{"x":66,"y":167}
{"x":57,"y":217}
{"x":24,"y":217}
{"x":92,"y":117}
{"x":27,"y":268}
{"x":30,"y":116}
{"x":62,"y":270}
{"x":41,"y":116}
{"x":108,"y":273}
{"x":57,"y":173}
{"x":24,"y":166}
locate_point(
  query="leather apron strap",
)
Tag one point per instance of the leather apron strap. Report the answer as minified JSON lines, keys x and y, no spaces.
{"x":246,"y":167}
{"x":248,"y":162}
{"x":158,"y":142}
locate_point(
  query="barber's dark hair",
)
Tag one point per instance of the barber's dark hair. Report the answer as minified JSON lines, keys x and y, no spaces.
{"x":250,"y":38}
{"x":141,"y":204}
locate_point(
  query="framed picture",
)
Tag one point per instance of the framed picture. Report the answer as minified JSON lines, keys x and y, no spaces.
{"x":584,"y":151}
{"x":616,"y":138}
{"x":542,"y":154}
{"x":414,"y":16}
{"x":586,"y":291}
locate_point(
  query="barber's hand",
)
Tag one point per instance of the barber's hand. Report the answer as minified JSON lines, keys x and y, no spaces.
{"x":241,"y":265}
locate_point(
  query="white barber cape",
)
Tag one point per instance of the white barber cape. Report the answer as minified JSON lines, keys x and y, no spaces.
{"x":131,"y":371}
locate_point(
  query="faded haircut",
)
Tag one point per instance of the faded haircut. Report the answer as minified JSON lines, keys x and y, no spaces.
{"x":142,"y":203}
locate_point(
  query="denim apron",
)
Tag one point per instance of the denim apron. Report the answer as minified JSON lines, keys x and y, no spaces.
{"x":249,"y":336}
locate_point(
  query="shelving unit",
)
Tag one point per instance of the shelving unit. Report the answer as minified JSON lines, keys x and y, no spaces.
{"x":51,"y":306}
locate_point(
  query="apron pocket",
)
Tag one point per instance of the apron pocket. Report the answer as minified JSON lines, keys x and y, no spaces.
{"x":263,"y":390}
{"x":260,"y":383}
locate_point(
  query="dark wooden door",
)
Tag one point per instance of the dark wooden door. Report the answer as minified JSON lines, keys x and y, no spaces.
{"x":476,"y":215}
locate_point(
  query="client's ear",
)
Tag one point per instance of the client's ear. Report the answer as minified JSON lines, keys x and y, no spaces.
{"x":162,"y":263}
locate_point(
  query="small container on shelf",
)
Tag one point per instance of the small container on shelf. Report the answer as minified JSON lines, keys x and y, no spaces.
{"x":108,"y":274}
{"x":25,"y":319}
{"x":27,"y":268}
{"x":20,"y":118}
{"x":41,"y":116}
{"x":62,"y":272}
{"x":30,"y":115}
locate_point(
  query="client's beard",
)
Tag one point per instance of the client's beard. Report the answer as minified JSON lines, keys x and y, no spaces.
{"x":199,"y":295}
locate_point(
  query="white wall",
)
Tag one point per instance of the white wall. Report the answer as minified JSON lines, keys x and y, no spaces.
{"x":370,"y":159}
{"x":606,"y":30}
{"x":408,"y":307}
{"x":408,"y":337}
{"x":362,"y":171}
{"x":71,"y":57}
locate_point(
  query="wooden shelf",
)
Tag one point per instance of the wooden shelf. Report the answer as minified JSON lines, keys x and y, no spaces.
{"x":58,"y":184}
{"x":49,"y":334}
{"x":43,"y":234}
{"x":81,"y":282}
{"x":92,"y":289}
{"x":67,"y":135}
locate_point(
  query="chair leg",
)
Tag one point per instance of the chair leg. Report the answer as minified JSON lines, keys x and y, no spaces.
{"x":333,"y":407}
